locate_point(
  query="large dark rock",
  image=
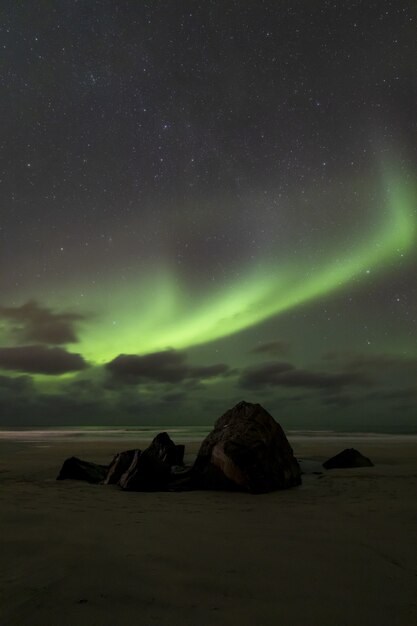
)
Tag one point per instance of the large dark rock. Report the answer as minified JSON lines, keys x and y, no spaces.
{"x":76,"y":469}
{"x":119,"y":465}
{"x":150,"y":470}
{"x":348,"y":458}
{"x":247,"y":450}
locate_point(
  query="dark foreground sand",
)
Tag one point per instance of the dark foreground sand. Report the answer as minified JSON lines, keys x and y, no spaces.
{"x":340,"y":550}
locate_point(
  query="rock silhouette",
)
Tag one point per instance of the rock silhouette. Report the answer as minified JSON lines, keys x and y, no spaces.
{"x":348,"y":458}
{"x":163,"y":448}
{"x":150,"y":470}
{"x":247,"y":450}
{"x":76,"y":469}
{"x":119,"y":465}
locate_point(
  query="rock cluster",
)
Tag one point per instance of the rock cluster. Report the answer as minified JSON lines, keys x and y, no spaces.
{"x":247,"y":450}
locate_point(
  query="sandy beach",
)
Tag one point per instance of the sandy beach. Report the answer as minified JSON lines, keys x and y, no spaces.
{"x":337,"y":551}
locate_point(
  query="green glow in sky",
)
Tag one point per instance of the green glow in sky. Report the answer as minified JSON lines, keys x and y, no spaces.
{"x":158,"y":313}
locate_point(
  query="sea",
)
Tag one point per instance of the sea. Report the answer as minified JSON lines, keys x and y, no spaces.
{"x":177,"y":433}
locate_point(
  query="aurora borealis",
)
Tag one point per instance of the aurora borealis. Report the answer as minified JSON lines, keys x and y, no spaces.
{"x":209,"y":201}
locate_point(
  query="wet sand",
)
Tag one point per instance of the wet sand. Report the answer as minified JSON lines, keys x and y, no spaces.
{"x":340,"y":550}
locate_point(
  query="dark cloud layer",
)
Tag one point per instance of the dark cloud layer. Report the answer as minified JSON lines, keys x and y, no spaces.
{"x":41,"y":360}
{"x":15,"y":385}
{"x":400,"y":398}
{"x":278,"y":374}
{"x":379,"y":361}
{"x":274,"y":348}
{"x":33,"y":322}
{"x":168,"y":366}
{"x":263,"y":375}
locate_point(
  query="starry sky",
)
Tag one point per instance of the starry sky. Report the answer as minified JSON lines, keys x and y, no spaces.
{"x":208,"y":201}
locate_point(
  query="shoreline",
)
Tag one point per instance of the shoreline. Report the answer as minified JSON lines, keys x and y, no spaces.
{"x":189,"y":434}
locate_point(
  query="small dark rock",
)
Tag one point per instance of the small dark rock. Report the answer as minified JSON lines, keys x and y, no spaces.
{"x":77,"y":469}
{"x":164,"y":449}
{"x":119,"y":465}
{"x":150,"y":470}
{"x":348,"y":458}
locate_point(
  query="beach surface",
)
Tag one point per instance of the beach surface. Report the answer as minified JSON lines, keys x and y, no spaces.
{"x":337,"y":551}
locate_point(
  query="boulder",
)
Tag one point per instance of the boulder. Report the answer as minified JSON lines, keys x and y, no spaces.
{"x":247,"y":450}
{"x":348,"y":458}
{"x":77,"y":469}
{"x":119,"y":465}
{"x":163,"y":448}
{"x":146,"y":473}
{"x":150,"y":470}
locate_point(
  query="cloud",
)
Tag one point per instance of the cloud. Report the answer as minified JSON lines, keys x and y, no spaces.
{"x":203,"y":372}
{"x":322,"y":380}
{"x":409,"y":393}
{"x":378,"y":361}
{"x":15,"y":384}
{"x":32,"y":322}
{"x":390,"y":372}
{"x":401,"y":396}
{"x":176,"y":396}
{"x":168,"y":366}
{"x":338,"y":400}
{"x":274,"y":348}
{"x":40,"y":360}
{"x":17,"y":396}
{"x":263,"y":375}
{"x":286,"y":375}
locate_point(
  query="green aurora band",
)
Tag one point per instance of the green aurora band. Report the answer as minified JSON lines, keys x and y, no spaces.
{"x":161,"y":314}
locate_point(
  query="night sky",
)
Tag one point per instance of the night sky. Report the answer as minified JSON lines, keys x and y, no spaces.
{"x":203,"y":202}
